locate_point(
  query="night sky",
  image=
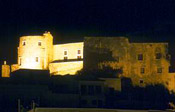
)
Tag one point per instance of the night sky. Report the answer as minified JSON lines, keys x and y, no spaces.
{"x":71,"y":20}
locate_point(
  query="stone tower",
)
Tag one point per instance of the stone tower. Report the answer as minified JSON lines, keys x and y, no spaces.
{"x":5,"y":70}
{"x":35,"y":52}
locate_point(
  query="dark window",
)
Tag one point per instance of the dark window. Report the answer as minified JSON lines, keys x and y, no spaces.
{"x":65,"y":52}
{"x":65,"y":58}
{"x":100,"y":103}
{"x":36,"y":59}
{"x":83,"y":102}
{"x":24,"y":43}
{"x":39,"y":43}
{"x":94,"y":102}
{"x":142,"y":70}
{"x":158,"y":55}
{"x":98,"y":89}
{"x":78,"y":57}
{"x":159,"y":70}
{"x":79,"y":51}
{"x":83,"y":89}
{"x":140,"y":57}
{"x":141,"y":81}
{"x":90,"y":90}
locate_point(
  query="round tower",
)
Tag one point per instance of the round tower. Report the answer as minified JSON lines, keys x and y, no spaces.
{"x":35,"y":52}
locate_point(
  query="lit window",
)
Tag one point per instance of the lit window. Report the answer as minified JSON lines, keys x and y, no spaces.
{"x":65,"y":58}
{"x":37,"y":59}
{"x":79,"y":51}
{"x":23,"y":43}
{"x":142,"y":70}
{"x":39,"y":43}
{"x":159,"y":70}
{"x":140,"y":57}
{"x":65,"y":52}
{"x":158,"y":55}
{"x":78,"y":57}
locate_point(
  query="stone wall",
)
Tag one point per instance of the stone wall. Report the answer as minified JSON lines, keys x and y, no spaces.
{"x":63,"y":68}
{"x":144,"y":63}
{"x":35,"y":52}
{"x":70,"y":48}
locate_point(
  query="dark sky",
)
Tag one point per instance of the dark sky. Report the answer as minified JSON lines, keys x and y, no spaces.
{"x":71,"y":20}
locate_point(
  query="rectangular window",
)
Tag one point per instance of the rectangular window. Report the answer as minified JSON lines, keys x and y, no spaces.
{"x":37,"y":59}
{"x":83,"y":89}
{"x":159,"y":70}
{"x":142,"y":70}
{"x":158,"y":55}
{"x":78,"y":57}
{"x":79,"y":51}
{"x":98,"y":89}
{"x":140,"y":57}
{"x":65,"y":58}
{"x":39,"y":43}
{"x":141,"y":81}
{"x":65,"y":53}
{"x":23,"y":43}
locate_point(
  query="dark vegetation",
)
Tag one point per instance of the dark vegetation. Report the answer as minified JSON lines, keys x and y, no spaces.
{"x":64,"y":91}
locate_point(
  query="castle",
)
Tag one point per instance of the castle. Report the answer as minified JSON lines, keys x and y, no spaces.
{"x":38,"y":52}
{"x":144,"y":63}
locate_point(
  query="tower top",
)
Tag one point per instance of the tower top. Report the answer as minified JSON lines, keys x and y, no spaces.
{"x":5,"y":62}
{"x":47,"y":33}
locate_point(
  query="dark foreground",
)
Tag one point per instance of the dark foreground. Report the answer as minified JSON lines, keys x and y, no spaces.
{"x":92,"y":110}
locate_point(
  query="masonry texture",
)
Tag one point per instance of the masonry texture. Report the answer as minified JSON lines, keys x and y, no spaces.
{"x":144,"y":63}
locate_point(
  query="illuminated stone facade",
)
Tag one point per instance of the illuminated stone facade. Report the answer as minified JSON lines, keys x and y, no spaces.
{"x":68,"y":58}
{"x":144,"y":63}
{"x":38,"y":52}
{"x":35,"y":52}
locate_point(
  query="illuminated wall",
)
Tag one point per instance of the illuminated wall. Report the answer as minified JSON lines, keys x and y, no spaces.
{"x":149,"y":63}
{"x":171,"y":82}
{"x":63,"y":68}
{"x":67,"y":58}
{"x":35,"y":52}
{"x":70,"y":50}
{"x":14,"y":67}
{"x":144,"y":63}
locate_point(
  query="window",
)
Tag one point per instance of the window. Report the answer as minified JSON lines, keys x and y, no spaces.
{"x":98,"y":89}
{"x":78,"y":57}
{"x":141,"y":81}
{"x":65,"y":53}
{"x":94,"y":102}
{"x":23,"y":43}
{"x":142,"y":70}
{"x":90,"y":90}
{"x":37,"y":59}
{"x":140,"y":57}
{"x":158,"y":55}
{"x":65,"y":58}
{"x":79,"y":52}
{"x":83,"y":89}
{"x":20,"y":60}
{"x":39,"y":44}
{"x":159,"y":70}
